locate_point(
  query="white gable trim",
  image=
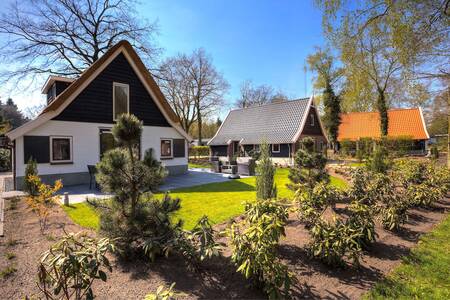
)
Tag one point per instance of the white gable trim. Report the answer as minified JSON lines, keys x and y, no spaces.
{"x":41,"y":119}
{"x":423,"y":122}
{"x":305,"y":117}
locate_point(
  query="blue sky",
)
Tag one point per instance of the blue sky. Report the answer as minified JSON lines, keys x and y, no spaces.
{"x":265,"y":41}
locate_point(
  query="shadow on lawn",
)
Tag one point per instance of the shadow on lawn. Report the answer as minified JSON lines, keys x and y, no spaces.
{"x":217,"y":187}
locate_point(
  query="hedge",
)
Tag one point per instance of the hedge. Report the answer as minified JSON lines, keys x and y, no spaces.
{"x":197,"y":151}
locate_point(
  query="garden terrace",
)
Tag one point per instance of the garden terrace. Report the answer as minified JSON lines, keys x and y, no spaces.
{"x":220,"y":280}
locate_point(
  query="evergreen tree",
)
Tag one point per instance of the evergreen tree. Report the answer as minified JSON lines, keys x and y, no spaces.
{"x":309,"y":167}
{"x":327,"y":77}
{"x":141,"y":222}
{"x":30,"y":170}
{"x":332,"y":115}
{"x":12,"y":115}
{"x":265,"y":186}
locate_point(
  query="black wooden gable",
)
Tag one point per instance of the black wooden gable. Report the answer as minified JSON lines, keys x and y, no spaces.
{"x":95,"y":103}
{"x":310,"y":129}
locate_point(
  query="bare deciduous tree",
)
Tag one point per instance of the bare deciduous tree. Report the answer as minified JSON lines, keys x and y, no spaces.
{"x":64,"y":37}
{"x":193,"y":87}
{"x":252,"y":95}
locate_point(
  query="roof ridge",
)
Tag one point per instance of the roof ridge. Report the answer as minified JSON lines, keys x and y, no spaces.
{"x":269,"y":104}
{"x":373,"y":112}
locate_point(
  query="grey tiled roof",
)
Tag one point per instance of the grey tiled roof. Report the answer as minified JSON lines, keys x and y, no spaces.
{"x":275,"y":123}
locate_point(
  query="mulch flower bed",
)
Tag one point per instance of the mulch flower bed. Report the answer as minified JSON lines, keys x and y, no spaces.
{"x":217,"y":278}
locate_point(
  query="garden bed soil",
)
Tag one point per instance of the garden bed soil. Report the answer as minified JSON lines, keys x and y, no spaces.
{"x":217,"y":278}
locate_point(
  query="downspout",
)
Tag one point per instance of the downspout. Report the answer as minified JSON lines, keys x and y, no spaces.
{"x":13,"y":153}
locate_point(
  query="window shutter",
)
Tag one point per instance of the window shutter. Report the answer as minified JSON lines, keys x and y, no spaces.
{"x":179,"y":148}
{"x":37,"y":147}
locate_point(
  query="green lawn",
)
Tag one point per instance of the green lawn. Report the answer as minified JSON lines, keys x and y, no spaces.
{"x":219,"y":201}
{"x":424,"y":274}
{"x":193,"y":165}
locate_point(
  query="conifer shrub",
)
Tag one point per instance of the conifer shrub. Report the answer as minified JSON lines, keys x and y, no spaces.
{"x":434,"y":152}
{"x":378,"y":162}
{"x":265,"y":182}
{"x":29,"y":186}
{"x":140,"y":222}
{"x":309,"y":167}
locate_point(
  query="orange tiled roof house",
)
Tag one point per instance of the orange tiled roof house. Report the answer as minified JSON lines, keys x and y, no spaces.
{"x":403,"y":123}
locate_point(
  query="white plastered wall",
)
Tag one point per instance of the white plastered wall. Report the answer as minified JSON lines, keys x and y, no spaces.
{"x":86,"y":145}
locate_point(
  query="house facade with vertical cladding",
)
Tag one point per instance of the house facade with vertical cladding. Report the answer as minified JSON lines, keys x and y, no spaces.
{"x":281,"y":125}
{"x":73,"y":131}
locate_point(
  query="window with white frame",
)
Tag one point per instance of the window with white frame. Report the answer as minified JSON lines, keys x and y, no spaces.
{"x":312,"y":119}
{"x":60,"y":149}
{"x":166,"y":148}
{"x":121,"y":99}
{"x":275,"y":148}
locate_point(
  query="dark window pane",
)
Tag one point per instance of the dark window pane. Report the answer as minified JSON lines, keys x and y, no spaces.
{"x":166,"y":148}
{"x":107,"y":142}
{"x":60,"y":149}
{"x":120,"y":100}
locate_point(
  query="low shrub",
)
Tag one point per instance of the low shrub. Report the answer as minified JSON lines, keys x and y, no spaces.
{"x":163,"y":293}
{"x":43,"y":199}
{"x":394,"y":215}
{"x":365,"y":148}
{"x":398,"y":146}
{"x":68,"y":269}
{"x":312,"y":205}
{"x":434,"y":152}
{"x":424,"y":183}
{"x":8,"y":271}
{"x":410,"y":172}
{"x":333,"y":242}
{"x":148,"y":232}
{"x":378,"y":161}
{"x":347,"y":147}
{"x":362,"y":220}
{"x":254,"y":243}
{"x":198,"y":244}
{"x":5,"y":160}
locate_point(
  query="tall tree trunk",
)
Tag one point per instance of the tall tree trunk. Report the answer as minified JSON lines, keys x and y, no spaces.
{"x":199,"y":122}
{"x":448,"y":131}
{"x":382,"y":109}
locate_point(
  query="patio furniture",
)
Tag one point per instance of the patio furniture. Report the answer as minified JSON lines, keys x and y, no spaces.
{"x":229,"y":169}
{"x":246,"y":166}
{"x":92,"y":171}
{"x":216,"y":164}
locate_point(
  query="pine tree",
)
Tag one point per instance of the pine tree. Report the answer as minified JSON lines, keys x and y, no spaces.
{"x":139,"y":221}
{"x":265,"y":186}
{"x":309,"y":167}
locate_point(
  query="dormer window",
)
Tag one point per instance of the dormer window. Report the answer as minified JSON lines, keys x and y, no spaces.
{"x":121,"y":99}
{"x":312,"y":119}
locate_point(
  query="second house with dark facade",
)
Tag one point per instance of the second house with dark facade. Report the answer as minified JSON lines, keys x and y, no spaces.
{"x":281,"y":125}
{"x":74,"y":130}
